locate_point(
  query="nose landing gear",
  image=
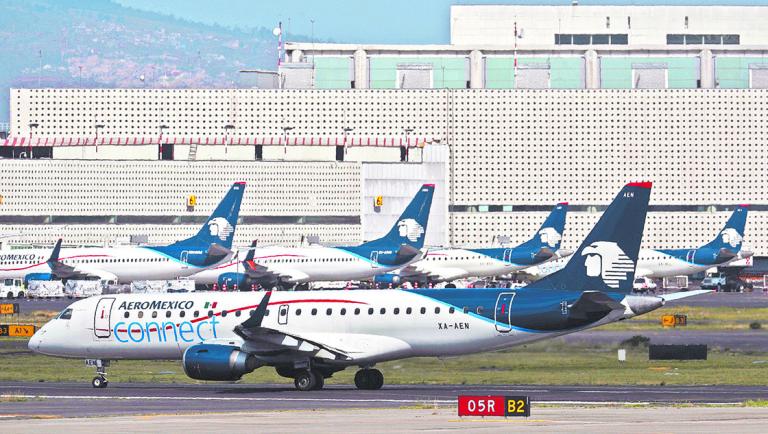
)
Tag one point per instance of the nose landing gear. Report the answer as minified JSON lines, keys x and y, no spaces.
{"x":369,"y":379}
{"x":100,"y":380}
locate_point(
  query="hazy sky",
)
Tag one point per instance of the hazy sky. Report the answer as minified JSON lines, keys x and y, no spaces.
{"x":363,"y":21}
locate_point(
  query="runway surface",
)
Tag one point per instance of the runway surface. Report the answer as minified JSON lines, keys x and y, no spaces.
{"x":80,"y":399}
{"x":747,"y":340}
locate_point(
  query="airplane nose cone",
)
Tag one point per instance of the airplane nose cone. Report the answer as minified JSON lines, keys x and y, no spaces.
{"x":36,"y":340}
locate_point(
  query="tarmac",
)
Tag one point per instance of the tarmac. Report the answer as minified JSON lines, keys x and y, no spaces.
{"x":26,"y":399}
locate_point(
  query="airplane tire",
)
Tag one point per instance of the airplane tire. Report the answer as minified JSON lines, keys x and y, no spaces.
{"x":99,"y":382}
{"x":369,"y":379}
{"x":305,"y":381}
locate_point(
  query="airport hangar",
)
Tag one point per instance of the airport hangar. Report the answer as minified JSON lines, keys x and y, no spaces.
{"x":526,"y":107}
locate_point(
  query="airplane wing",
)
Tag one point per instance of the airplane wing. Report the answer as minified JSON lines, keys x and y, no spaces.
{"x":330,"y":346}
{"x":63,"y":271}
{"x":258,"y":272}
{"x":416,"y":271}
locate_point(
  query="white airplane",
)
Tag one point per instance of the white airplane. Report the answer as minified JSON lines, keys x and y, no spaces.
{"x":286,"y":266}
{"x":725,"y":248}
{"x":445,"y":265}
{"x":308,"y":336}
{"x":128,"y":263}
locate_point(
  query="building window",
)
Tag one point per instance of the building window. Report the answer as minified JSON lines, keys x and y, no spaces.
{"x":675,"y":39}
{"x":601,"y":40}
{"x":581,"y":39}
{"x":619,"y":39}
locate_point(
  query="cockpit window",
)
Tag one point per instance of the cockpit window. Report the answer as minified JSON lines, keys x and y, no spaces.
{"x":65,"y":314}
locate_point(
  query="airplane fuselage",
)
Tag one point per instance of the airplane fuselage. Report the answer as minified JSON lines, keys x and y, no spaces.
{"x":379,"y":324}
{"x":124,"y":264}
{"x":679,"y":262}
{"x":303,"y":264}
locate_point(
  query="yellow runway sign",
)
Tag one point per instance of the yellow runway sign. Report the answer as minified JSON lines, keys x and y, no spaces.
{"x":9,"y":308}
{"x":17,"y":330}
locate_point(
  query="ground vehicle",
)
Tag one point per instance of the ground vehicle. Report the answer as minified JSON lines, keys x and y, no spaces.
{"x":643,"y":284}
{"x":12,"y":288}
{"x":723,"y":282}
{"x":45,"y":288}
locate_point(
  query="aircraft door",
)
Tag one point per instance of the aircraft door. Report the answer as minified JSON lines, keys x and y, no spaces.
{"x":282,"y":314}
{"x":184,"y":257}
{"x":503,"y":313}
{"x":375,"y":259}
{"x":507,"y":255}
{"x":102,"y":327}
{"x":691,"y":256}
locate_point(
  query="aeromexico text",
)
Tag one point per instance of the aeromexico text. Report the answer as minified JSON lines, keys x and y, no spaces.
{"x":17,"y":257}
{"x":156,"y":305}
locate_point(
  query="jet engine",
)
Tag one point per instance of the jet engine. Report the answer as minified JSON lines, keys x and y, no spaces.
{"x":387,"y":279}
{"x":217,"y":362}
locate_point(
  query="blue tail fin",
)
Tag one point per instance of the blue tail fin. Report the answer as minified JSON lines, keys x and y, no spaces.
{"x":550,"y":233}
{"x":410,"y":228}
{"x":732,"y":234}
{"x":606,"y":259}
{"x":403,"y":242}
{"x":218,"y":230}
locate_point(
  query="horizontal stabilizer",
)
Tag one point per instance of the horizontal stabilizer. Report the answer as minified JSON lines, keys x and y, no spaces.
{"x":684,"y":294}
{"x":593,"y":305}
{"x":544,"y":254}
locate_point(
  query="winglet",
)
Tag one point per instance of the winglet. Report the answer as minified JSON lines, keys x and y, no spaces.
{"x":258,"y":315}
{"x":55,"y":253}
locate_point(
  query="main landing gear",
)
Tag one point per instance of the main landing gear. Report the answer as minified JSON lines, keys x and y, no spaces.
{"x":369,"y":379}
{"x":310,"y":379}
{"x":100,"y":380}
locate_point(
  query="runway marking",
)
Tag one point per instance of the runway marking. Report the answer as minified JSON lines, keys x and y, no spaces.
{"x":400,"y":401}
{"x":207,"y":398}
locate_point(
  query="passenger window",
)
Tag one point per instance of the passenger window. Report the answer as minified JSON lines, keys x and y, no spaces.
{"x":451,"y":310}
{"x":343,"y":311}
{"x":236,"y":313}
{"x":167,"y":313}
{"x":197,"y":313}
{"x":479,"y":310}
{"x":141,"y":314}
{"x":397,"y":311}
{"x":126,"y":314}
{"x":328,"y":311}
{"x":298,"y":312}
{"x":357,"y":311}
{"x":437,"y":310}
{"x":370,"y":311}
{"x":210,"y":313}
{"x":314,"y":311}
{"x":466,"y":309}
{"x":266,"y":312}
{"x":183,"y":313}
{"x":423,"y":310}
{"x":383,"y":310}
{"x":154,"y":314}
{"x":408,"y":311}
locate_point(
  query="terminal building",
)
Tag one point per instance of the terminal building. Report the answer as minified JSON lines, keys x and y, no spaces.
{"x":526,"y":107}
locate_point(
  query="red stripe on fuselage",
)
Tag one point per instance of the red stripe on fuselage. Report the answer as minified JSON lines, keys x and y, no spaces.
{"x":255,"y":306}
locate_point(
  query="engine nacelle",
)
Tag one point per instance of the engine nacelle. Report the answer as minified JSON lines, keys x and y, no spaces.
{"x":217,"y":362}
{"x":38,"y":276}
{"x":387,"y":278}
{"x":232,"y":279}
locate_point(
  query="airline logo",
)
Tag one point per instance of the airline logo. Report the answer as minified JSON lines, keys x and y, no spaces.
{"x":550,"y":237}
{"x":220,"y":227}
{"x":731,"y":237}
{"x":606,"y":260}
{"x":410,"y":228}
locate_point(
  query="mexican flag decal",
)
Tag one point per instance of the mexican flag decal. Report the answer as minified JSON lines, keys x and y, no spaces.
{"x":211,"y":305}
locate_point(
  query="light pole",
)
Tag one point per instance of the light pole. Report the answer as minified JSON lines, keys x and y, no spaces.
{"x":96,"y":127}
{"x":162,"y":127}
{"x":346,"y":131}
{"x":31,"y":125}
{"x":407,"y":145}
{"x":285,"y":141}
{"x":227,"y":128}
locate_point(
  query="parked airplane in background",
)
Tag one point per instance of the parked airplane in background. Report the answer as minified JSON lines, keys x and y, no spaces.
{"x":124,"y":264}
{"x":446,"y":265}
{"x":308,"y":336}
{"x":286,"y":266}
{"x":726,"y":247}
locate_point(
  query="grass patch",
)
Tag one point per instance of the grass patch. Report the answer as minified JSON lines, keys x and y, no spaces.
{"x":756,"y":403}
{"x":699,"y":318}
{"x":550,"y":362}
